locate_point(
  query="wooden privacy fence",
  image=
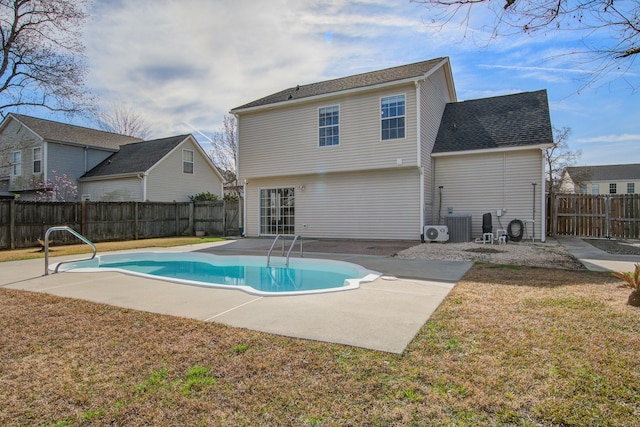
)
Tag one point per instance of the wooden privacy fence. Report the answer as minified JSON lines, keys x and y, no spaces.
{"x":23,"y":223}
{"x":586,"y":215}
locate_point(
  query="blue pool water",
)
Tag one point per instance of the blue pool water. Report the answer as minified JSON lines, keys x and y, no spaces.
{"x":248,"y":273}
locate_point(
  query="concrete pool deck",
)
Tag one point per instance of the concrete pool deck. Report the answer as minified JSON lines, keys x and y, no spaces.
{"x":381,"y":315}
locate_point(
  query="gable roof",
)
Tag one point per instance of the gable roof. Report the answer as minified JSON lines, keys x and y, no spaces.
{"x":505,"y":121}
{"x":388,"y":75}
{"x":62,"y":132}
{"x":135,"y":158}
{"x":605,"y":172}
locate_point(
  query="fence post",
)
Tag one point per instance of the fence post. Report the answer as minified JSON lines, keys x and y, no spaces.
{"x":224,"y":218}
{"x":191,"y":219}
{"x":177,"y":213}
{"x":12,"y":224}
{"x":135,"y":221}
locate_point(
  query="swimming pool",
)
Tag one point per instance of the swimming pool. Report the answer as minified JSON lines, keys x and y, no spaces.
{"x":247,"y":273}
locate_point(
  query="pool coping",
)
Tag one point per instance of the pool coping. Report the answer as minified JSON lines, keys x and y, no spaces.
{"x":383,"y":315}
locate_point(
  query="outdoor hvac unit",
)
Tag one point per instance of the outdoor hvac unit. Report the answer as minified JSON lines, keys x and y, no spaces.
{"x":436,"y":233}
{"x":459,"y":228}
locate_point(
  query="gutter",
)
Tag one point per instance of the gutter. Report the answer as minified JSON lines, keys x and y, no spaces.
{"x":114,"y":176}
{"x":493,"y":150}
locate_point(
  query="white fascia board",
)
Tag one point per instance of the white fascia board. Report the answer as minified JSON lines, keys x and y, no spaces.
{"x":114,"y":176}
{"x":493,"y":150}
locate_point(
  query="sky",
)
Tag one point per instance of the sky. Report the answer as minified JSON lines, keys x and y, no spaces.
{"x":183,"y":64}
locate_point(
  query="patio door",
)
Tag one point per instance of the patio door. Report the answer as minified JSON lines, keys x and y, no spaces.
{"x":277,"y":211}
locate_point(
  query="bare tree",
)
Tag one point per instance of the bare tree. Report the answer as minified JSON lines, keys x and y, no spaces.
{"x":224,"y":151}
{"x":559,"y":157}
{"x":610,"y":29}
{"x":42,"y":62}
{"x":122,"y":119}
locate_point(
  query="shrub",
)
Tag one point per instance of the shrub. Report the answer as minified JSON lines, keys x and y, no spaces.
{"x":205,"y":196}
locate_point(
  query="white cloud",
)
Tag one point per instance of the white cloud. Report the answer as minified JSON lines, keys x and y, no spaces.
{"x":625,"y":137}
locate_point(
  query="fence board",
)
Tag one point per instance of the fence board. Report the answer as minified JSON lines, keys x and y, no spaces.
{"x":105,"y":221}
{"x":586,"y":215}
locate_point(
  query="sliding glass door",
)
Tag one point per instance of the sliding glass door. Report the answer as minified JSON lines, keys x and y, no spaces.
{"x":277,"y":211}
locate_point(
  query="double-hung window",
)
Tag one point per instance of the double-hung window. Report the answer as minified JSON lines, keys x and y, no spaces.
{"x":393,"y":114}
{"x":613,"y":188}
{"x":329,"y":126}
{"x":595,"y":188}
{"x":631,"y":187}
{"x":16,"y":163}
{"x":187,"y":161}
{"x":37,"y":160}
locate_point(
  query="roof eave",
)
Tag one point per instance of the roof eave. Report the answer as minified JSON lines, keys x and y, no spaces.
{"x":494,"y":150}
{"x":113,"y":176}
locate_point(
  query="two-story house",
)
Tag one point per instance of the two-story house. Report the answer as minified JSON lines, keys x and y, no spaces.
{"x":379,"y":155}
{"x":603,"y":179}
{"x":103,"y":166}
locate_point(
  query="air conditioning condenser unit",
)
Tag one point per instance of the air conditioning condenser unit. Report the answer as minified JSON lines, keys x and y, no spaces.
{"x":436,"y":233}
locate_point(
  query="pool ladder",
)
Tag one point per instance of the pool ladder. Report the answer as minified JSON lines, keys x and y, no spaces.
{"x":46,"y":247}
{"x":281,"y":237}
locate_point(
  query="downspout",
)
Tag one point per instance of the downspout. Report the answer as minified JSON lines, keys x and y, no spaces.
{"x":143,"y":177}
{"x":419,"y":154}
{"x":543,"y":192}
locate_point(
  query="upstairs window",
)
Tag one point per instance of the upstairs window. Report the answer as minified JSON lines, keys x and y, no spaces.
{"x":613,"y":188}
{"x":329,"y":126}
{"x":393,"y":113}
{"x":187,"y":161}
{"x":16,"y":163}
{"x":631,"y":187}
{"x":37,"y":160}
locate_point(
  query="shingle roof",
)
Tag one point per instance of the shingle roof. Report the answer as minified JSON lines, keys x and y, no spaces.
{"x":345,"y":83}
{"x":606,"y":172}
{"x":134,"y":158}
{"x":56,"y":131}
{"x":498,"y":122}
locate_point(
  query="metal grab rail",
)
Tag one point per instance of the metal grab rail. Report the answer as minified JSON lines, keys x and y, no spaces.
{"x":75,"y":233}
{"x":295,"y":238}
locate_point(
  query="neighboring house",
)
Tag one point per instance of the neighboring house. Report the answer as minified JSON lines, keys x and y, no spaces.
{"x":605,"y":179}
{"x":31,"y":149}
{"x":104,"y":166}
{"x":365,"y":156}
{"x":168,"y":169}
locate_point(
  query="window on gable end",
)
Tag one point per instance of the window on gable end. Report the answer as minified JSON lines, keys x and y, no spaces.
{"x":392,"y":117}
{"x":16,"y":163}
{"x":187,"y":161}
{"x":37,"y":160}
{"x":329,"y":126}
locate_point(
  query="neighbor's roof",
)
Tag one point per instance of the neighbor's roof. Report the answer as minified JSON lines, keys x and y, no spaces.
{"x":134,"y":158}
{"x":388,"y":75}
{"x":62,"y":132}
{"x":606,"y":172}
{"x":499,"y":122}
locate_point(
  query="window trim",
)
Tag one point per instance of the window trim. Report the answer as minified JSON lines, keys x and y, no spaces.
{"x":329,"y":126}
{"x":404,"y":117}
{"x":595,"y":188}
{"x":191,"y":162}
{"x":631,"y":188}
{"x":16,"y":165}
{"x":613,"y":188}
{"x":38,"y":160}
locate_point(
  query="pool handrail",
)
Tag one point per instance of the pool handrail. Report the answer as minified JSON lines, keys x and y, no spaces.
{"x":278,"y":236}
{"x":72,"y":231}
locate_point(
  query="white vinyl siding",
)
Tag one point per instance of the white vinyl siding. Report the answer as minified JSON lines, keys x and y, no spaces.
{"x":359,"y":205}
{"x":434,"y":97}
{"x":284,"y":140}
{"x":113,"y":190}
{"x":167,"y":183}
{"x":479,"y":183}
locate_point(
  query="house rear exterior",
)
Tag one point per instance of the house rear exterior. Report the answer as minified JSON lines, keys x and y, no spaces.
{"x":354,"y":158}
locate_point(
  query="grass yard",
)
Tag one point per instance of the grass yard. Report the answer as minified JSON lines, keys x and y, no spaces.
{"x":509,"y":346}
{"x":164,"y":242}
